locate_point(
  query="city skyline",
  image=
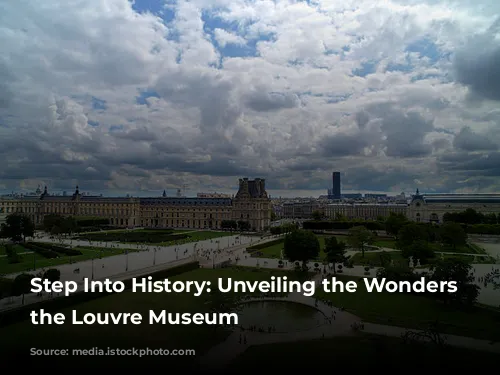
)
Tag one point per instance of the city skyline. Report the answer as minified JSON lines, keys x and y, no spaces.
{"x":137,"y":97}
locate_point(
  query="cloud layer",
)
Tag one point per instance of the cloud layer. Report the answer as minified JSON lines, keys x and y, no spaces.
{"x":121,"y":96}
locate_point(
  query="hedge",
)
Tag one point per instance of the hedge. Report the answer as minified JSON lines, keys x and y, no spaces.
{"x":52,"y":305}
{"x":325,"y":225}
{"x":86,"y":221}
{"x":46,"y":253}
{"x":58,"y":249}
{"x":135,"y":236}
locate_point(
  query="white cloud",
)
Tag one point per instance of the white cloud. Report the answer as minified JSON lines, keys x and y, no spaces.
{"x":284,"y":102}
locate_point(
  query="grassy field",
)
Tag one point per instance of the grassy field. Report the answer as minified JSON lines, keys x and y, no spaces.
{"x":165,"y":237}
{"x":199,"y":236}
{"x":391,"y":244}
{"x":274,"y":251}
{"x":354,"y":353}
{"x":198,"y":337}
{"x":407,"y":310}
{"x":28,"y":261}
{"x":17,"y":248}
{"x":373,"y":258}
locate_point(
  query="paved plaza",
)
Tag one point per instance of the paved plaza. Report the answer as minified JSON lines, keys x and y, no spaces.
{"x":208,"y":252}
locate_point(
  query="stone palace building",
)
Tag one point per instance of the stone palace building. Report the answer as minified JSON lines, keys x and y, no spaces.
{"x":431,"y":207}
{"x":423,"y":208}
{"x":250,"y":204}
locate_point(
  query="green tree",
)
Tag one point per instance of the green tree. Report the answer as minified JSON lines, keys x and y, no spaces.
{"x":17,"y":227}
{"x":385,"y":258}
{"x":394,"y":223}
{"x":22,"y":285}
{"x":335,"y":251}
{"x":453,"y":234}
{"x":52,"y":275}
{"x":459,"y":271}
{"x":494,"y":278}
{"x":244,"y":225}
{"x":273,"y":215}
{"x":358,"y":237}
{"x":301,"y":245}
{"x":419,"y":249}
{"x":5,"y":287}
{"x":317,"y":215}
{"x":222,"y":303}
{"x":69,"y":225}
{"x":410,"y":233}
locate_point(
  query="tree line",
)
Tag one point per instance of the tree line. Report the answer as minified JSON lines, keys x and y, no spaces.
{"x":18,"y":227}
{"x":301,"y":246}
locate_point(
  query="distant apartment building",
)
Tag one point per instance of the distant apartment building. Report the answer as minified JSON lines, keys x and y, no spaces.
{"x":352,"y":196}
{"x":364,"y":211}
{"x":301,"y":210}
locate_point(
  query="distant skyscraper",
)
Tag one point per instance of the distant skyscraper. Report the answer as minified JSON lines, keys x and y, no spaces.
{"x":336,"y":192}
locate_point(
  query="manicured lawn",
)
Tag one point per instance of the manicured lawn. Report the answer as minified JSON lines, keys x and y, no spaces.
{"x":28,"y":261}
{"x":196,"y":236}
{"x":391,"y":244}
{"x":362,"y":351}
{"x":274,"y":251}
{"x":408,"y":310}
{"x":17,"y":248}
{"x":149,"y":236}
{"x":24,"y":335}
{"x":373,"y":258}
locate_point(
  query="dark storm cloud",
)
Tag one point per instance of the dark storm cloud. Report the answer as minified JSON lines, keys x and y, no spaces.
{"x":471,"y":164}
{"x":345,"y":144}
{"x":261,"y":101}
{"x":210,"y":93}
{"x":467,"y":140}
{"x":440,"y":144}
{"x":362,"y":118}
{"x":370,"y":178}
{"x":140,"y":134}
{"x":405,"y":134}
{"x":478,"y":65}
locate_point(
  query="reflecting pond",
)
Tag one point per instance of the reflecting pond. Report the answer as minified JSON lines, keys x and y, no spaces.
{"x":281,"y":316}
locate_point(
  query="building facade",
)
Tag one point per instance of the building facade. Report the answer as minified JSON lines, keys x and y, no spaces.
{"x":364,"y":211}
{"x":251,"y":204}
{"x":432,"y":207}
{"x":301,"y":210}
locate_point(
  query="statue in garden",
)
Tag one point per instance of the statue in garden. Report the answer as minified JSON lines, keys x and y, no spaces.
{"x":410,"y":263}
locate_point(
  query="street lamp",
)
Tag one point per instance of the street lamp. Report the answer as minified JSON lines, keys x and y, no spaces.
{"x":154,"y":257}
{"x":126,"y":260}
{"x":92,"y":269}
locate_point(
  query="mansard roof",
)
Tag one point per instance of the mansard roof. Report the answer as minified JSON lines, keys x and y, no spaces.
{"x":174,"y":201}
{"x":461,"y":198}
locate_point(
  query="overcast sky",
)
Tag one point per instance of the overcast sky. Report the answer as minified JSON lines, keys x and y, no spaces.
{"x":139,"y":97}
